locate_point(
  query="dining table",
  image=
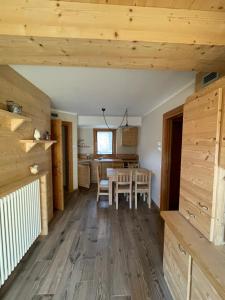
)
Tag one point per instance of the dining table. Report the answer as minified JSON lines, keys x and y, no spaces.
{"x":111,"y":175}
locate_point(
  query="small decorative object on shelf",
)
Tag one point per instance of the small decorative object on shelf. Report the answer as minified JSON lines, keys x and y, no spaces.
{"x":34,"y":169}
{"x":14,"y":107}
{"x":47,"y":136}
{"x":37,"y":134}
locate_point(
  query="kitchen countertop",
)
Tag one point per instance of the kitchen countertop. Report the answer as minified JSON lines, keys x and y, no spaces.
{"x":108,"y":160}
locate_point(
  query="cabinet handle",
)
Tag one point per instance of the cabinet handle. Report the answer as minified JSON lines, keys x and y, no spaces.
{"x":181,"y":249}
{"x":203,"y":206}
{"x":191,"y":215}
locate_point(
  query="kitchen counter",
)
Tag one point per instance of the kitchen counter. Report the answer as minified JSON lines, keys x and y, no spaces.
{"x":109,"y":160}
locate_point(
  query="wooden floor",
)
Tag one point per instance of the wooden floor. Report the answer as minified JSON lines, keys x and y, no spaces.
{"x":95,"y":252}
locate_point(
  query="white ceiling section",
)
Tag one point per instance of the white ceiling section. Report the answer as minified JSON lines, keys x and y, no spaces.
{"x":86,"y":90}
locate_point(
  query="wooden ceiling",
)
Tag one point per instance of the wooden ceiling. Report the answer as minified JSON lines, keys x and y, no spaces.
{"x":214,"y":5}
{"x":50,"y":32}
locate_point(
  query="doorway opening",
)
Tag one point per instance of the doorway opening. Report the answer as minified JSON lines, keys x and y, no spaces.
{"x":67,"y":157}
{"x":171,"y":159}
{"x":62,"y":162}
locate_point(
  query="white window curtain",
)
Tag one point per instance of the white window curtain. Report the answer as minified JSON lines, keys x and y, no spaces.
{"x":104,"y":142}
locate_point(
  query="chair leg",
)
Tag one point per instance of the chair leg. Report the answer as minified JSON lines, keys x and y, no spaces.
{"x":117,"y":201}
{"x":149,"y":200}
{"x":97,"y":196}
{"x":145,"y":197}
{"x":130,"y":199}
{"x":135,"y":200}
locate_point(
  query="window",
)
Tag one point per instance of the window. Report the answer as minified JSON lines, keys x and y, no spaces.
{"x":104,"y":142}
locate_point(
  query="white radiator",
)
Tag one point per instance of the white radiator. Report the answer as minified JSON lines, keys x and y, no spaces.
{"x":20,"y":225}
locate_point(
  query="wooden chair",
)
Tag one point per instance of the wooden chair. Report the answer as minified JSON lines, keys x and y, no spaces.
{"x":143,"y":185}
{"x":134,"y":165}
{"x":124,"y":185}
{"x":103,"y":185}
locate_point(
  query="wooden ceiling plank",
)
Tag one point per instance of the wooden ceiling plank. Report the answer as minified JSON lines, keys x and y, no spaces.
{"x":208,"y":5}
{"x":90,"y":21}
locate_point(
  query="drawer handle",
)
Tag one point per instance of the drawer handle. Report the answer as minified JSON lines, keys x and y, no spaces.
{"x":203,"y":206}
{"x":191,"y":215}
{"x":181,"y":249}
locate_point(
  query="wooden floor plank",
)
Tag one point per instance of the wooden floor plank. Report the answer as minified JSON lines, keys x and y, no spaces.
{"x":94,"y":252}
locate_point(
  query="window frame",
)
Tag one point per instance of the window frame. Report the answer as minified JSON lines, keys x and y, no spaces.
{"x":95,"y":132}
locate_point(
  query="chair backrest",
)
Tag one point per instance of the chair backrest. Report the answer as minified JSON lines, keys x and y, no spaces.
{"x":133,"y":165}
{"x":142,"y":177}
{"x":124,"y":177}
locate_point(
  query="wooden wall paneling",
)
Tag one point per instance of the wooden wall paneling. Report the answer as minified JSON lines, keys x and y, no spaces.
{"x":202,"y":192}
{"x":44,"y":186}
{"x":57,"y":165}
{"x":218,"y":209}
{"x":14,"y":162}
{"x":199,"y":153}
{"x":123,"y":36}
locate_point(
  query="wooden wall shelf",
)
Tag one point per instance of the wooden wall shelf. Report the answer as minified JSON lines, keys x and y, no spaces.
{"x":15,"y":120}
{"x":29,"y":144}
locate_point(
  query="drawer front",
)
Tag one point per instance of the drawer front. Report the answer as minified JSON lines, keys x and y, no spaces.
{"x":199,"y":197}
{"x":175,"y":265}
{"x":196,"y":216}
{"x":201,"y":288}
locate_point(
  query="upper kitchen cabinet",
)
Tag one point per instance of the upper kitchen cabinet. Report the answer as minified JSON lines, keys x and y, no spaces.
{"x":129,"y":136}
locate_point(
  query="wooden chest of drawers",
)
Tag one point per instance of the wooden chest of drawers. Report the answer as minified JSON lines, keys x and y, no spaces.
{"x":194,"y":268}
{"x":176,"y":262}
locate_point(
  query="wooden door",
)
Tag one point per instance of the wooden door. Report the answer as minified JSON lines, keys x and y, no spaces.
{"x":57,"y":165}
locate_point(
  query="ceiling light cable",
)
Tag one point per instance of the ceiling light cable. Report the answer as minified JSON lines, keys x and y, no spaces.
{"x":120,"y":126}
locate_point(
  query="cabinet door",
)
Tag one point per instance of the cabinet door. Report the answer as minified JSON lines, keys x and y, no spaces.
{"x":176,"y":266}
{"x":84,"y":178}
{"x":201,"y":288}
{"x":200,"y":146}
{"x":130,"y":136}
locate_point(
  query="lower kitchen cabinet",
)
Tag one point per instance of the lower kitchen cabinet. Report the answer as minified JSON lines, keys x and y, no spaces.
{"x":84,"y":175}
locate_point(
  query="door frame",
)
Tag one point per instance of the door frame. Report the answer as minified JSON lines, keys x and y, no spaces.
{"x":57,"y":165}
{"x":168,"y":117}
{"x":69,"y":147}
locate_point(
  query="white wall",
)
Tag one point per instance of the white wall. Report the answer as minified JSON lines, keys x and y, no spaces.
{"x":98,"y":121}
{"x":150,"y":135}
{"x":71,"y":117}
{"x":86,"y":135}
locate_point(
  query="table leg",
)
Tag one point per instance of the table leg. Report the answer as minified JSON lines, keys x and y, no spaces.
{"x":110,"y":191}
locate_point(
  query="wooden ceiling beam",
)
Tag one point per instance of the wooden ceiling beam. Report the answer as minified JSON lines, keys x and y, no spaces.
{"x":72,"y":33}
{"x":214,"y":5}
{"x":54,"y":19}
